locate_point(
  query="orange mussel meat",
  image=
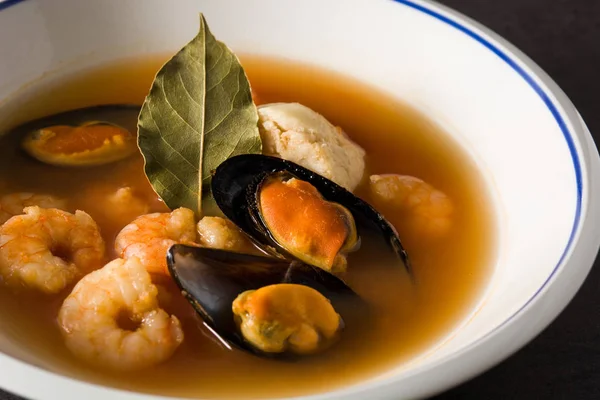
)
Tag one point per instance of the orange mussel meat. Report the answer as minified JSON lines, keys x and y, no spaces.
{"x":310,"y":228}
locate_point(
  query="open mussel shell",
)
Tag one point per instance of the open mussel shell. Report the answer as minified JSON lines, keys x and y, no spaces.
{"x":117,"y":141}
{"x":211,"y":280}
{"x":235,"y":184}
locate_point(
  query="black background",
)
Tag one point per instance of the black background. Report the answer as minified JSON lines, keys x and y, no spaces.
{"x":563,"y":37}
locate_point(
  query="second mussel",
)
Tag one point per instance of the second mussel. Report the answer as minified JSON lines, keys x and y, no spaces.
{"x":267,"y":306}
{"x":84,"y":137}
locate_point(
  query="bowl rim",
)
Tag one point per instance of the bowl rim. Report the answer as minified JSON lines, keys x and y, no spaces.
{"x":7,"y":3}
{"x":565,"y":115}
{"x":556,"y":114}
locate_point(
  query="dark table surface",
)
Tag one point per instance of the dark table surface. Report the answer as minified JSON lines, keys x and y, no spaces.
{"x":563,"y":37}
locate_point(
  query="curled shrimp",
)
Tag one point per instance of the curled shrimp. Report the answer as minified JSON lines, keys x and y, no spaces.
{"x":427,"y":210}
{"x":89,"y":319}
{"x":47,"y":249}
{"x":149,"y":237}
{"x":14,"y":203}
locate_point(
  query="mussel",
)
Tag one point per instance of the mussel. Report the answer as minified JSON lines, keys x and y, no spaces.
{"x":83,"y":137}
{"x":219,"y":285}
{"x":239,"y":188}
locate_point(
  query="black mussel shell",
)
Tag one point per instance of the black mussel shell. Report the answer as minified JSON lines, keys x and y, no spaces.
{"x":235,"y":184}
{"x":211,"y":280}
{"x":124,"y":115}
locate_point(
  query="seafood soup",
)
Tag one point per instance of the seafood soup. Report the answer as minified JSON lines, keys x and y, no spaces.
{"x":255,"y":229}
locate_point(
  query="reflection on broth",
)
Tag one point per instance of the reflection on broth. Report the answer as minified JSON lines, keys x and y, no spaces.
{"x":450,"y":260}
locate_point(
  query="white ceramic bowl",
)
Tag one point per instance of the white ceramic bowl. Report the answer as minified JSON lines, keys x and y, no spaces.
{"x":533,"y":148}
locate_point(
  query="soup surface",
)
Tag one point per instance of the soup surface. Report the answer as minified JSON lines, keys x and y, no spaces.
{"x":450,"y":273}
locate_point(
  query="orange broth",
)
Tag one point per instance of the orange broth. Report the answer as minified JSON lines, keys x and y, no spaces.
{"x":451,"y":274}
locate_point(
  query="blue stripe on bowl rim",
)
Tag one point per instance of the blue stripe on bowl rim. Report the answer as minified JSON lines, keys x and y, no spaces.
{"x":7,"y":3}
{"x":559,"y":120}
{"x":544,"y":97}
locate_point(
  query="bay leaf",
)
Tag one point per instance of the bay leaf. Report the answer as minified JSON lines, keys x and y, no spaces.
{"x":198,"y":113}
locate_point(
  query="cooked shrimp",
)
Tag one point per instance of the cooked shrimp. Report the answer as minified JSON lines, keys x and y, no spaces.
{"x":428,"y":210}
{"x":89,"y":319}
{"x":14,"y":203}
{"x":220,"y":233}
{"x":47,"y":249}
{"x":149,"y":237}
